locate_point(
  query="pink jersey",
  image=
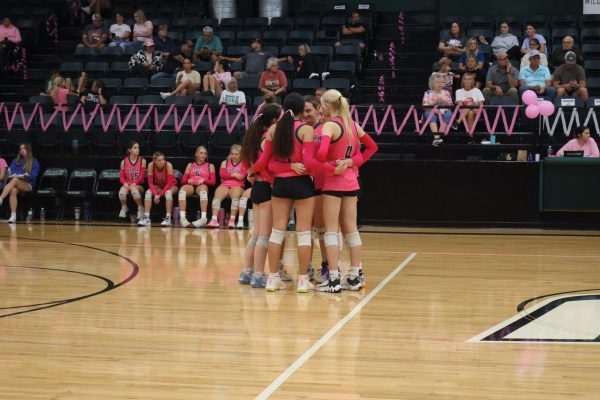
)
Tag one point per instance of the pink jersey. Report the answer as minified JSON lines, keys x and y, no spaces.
{"x":231,"y":168}
{"x":319,"y":177}
{"x":160,"y":176}
{"x":340,"y":149}
{"x":296,"y":156}
{"x":266,"y":175}
{"x":132,"y":171}
{"x":199,"y":171}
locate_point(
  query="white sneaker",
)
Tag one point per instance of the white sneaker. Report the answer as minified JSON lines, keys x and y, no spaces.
{"x":12,"y":219}
{"x":184,"y":222}
{"x":166,"y":221}
{"x":86,"y":9}
{"x":313,"y":75}
{"x":240,"y":224}
{"x":164,"y":95}
{"x":353,"y":282}
{"x":303,"y":284}
{"x":200,"y":223}
{"x":274,"y":283}
{"x":325,"y":75}
{"x":144,"y":221}
{"x":123,"y":212}
{"x":140,"y":213}
{"x":437,"y":142}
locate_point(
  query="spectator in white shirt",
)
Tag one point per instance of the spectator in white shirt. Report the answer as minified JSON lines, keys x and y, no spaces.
{"x":232,"y":96}
{"x":119,"y":32}
{"x":468,"y":96}
{"x":187,"y":82}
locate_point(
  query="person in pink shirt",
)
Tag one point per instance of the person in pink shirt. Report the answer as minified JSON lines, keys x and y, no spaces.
{"x":3,"y":169}
{"x":10,"y":37}
{"x":60,"y":92}
{"x":273,"y":80}
{"x":582,"y":141}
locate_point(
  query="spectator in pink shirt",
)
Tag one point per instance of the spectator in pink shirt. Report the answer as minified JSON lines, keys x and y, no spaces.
{"x":273,"y":80}
{"x":10,"y":37}
{"x":582,"y":141}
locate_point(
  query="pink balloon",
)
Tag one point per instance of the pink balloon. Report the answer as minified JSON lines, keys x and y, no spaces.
{"x":532,"y":111}
{"x":529,"y":97}
{"x":546,"y":108}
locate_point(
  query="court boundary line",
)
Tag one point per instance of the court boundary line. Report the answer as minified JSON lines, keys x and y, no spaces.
{"x":269,"y":390}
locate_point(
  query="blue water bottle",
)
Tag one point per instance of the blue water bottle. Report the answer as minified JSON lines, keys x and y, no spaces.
{"x":550,"y":151}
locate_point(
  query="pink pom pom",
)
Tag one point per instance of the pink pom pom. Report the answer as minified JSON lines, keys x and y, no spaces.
{"x":546,"y":108}
{"x":529,"y":97}
{"x":532,"y":111}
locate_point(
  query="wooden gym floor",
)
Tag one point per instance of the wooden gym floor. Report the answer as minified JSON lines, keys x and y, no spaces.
{"x":120,"y":312}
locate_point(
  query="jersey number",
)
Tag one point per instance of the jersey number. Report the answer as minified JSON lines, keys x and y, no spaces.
{"x":349,"y":151}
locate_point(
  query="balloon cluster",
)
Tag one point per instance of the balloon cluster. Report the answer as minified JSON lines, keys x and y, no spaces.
{"x":381,"y":90}
{"x":534,"y":109}
{"x":401,"y":27}
{"x":392,"y":58}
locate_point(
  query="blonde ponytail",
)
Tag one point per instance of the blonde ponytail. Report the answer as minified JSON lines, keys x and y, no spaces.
{"x":340,"y":105}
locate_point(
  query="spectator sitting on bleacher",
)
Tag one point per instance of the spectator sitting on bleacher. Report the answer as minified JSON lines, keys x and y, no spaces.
{"x":445,"y":72}
{"x":175,"y":60}
{"x":214,"y":83}
{"x":60,"y":92}
{"x":142,"y":28}
{"x":532,"y":33}
{"x":50,"y":85}
{"x":581,"y":142}
{"x":353,"y":32}
{"x":23,"y":173}
{"x":232,"y":96}
{"x":208,"y":46}
{"x":506,"y":42}
{"x":468,"y":95}
{"x":536,"y":77}
{"x":472,"y":49}
{"x":478,"y":75}
{"x":163,"y":43}
{"x":94,"y":95}
{"x":187,"y":81}
{"x":568,"y":44}
{"x":534,"y":44}
{"x":437,"y":96}
{"x":120,"y":32}
{"x":502,"y":79}
{"x":10,"y":37}
{"x":452,"y":44}
{"x":273,"y":80}
{"x":307,"y":65}
{"x":569,"y":78}
{"x":95,"y":34}
{"x":254,"y":61}
{"x":146,"y":62}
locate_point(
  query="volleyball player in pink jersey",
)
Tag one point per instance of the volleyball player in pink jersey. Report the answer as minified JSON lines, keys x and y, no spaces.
{"x":340,"y":144}
{"x":233,"y":177}
{"x":133,"y":171}
{"x":252,"y":148}
{"x":198,"y":176}
{"x":161,"y":182}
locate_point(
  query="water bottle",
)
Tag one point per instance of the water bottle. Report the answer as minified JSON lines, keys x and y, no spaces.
{"x":87,"y":211}
{"x":42,"y":214}
{"x":375,"y":55}
{"x":530,"y":156}
{"x":30,"y":215}
{"x":75,"y":146}
{"x":550,"y":151}
{"x":198,"y":215}
{"x":176,"y":216}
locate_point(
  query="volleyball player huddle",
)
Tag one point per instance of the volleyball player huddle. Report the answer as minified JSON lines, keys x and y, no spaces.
{"x":305,"y":158}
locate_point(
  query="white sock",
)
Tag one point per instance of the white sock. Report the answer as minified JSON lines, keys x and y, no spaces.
{"x":168,"y":215}
{"x":13,"y":214}
{"x":353,"y":271}
{"x":333,"y":275}
{"x":147,"y":214}
{"x":240,"y":218}
{"x":123,"y":207}
{"x":214,"y":218}
{"x":203,"y":214}
{"x":181,"y":214}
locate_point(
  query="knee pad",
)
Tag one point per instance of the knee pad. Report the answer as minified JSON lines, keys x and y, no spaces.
{"x":277,"y":236}
{"x":168,"y":195}
{"x":263,"y":241}
{"x":243,"y":202}
{"x":123,"y":194}
{"x":353,"y":239}
{"x":330,"y":239}
{"x":135,"y":193}
{"x":216,"y":203}
{"x":203,"y":195}
{"x":235,"y":204}
{"x":182,"y":195}
{"x":252,"y":240}
{"x":304,"y":238}
{"x":148,"y":196}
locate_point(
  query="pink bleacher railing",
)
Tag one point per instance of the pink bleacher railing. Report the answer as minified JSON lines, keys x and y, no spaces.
{"x":378,"y":115}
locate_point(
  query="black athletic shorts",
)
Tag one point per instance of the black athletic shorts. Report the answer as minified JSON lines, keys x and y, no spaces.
{"x":294,"y":187}
{"x":261,"y":192}
{"x":335,"y":193}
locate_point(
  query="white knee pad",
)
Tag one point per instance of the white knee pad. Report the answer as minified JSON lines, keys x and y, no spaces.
{"x":277,"y":236}
{"x":135,"y":193}
{"x":216,"y":203}
{"x":243,"y":202}
{"x":203,"y":195}
{"x":123,"y":194}
{"x":252,"y":240}
{"x":304,"y":238}
{"x":263,"y":241}
{"x":353,"y":239}
{"x":148,"y":195}
{"x":235,"y":204}
{"x":168,"y":195}
{"x":182,"y":195}
{"x":330,"y":239}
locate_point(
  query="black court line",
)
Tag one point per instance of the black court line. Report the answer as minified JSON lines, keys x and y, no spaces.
{"x":110,"y":285}
{"x":486,"y":234}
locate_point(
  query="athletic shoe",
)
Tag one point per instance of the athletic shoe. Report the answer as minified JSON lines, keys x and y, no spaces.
{"x":258,"y":281}
{"x":283,"y":274}
{"x":12,"y":219}
{"x":231,"y":224}
{"x":274,"y":283}
{"x":123,"y":213}
{"x":314,"y":75}
{"x":200,"y":223}
{"x":240,"y":224}
{"x":245,"y":276}
{"x":213,"y":223}
{"x":325,"y":75}
{"x":140,"y":213}
{"x":144,"y":221}
{"x":437,"y":142}
{"x":311,"y":273}
{"x":331,"y":286}
{"x":164,"y":95}
{"x":184,"y":222}
{"x":303,"y":285}
{"x":166,"y":221}
{"x":354,"y":282}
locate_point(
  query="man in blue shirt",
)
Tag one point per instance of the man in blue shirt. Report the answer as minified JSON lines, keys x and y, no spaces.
{"x":208,"y":46}
{"x":536,"y":77}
